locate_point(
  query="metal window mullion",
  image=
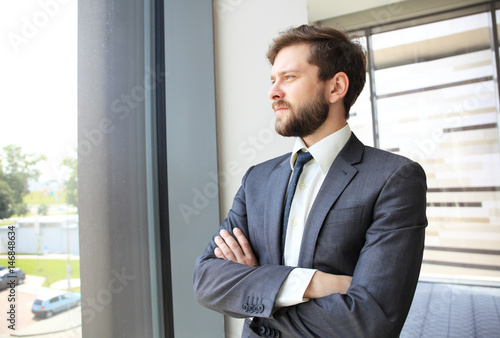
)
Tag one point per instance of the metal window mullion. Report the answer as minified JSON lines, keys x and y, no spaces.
{"x":373,"y":91}
{"x":152,"y":178}
{"x":496,"y":55}
{"x":162,"y":166}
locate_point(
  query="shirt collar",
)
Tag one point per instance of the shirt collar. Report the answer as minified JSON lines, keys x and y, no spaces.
{"x":325,"y":151}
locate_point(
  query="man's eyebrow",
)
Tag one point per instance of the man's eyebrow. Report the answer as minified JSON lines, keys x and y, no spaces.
{"x":292,"y":70}
{"x":284,"y":72}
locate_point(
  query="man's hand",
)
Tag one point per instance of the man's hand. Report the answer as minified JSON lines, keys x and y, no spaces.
{"x":324,"y":284}
{"x":237,"y":250}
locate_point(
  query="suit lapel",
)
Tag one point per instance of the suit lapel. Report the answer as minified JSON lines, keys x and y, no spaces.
{"x":273,"y":210}
{"x":339,"y":176}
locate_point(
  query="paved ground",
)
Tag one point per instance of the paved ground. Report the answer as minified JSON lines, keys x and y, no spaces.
{"x":454,"y":310}
{"x":65,"y":324}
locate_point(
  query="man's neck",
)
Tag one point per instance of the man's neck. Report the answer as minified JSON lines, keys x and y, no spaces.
{"x":323,"y":131}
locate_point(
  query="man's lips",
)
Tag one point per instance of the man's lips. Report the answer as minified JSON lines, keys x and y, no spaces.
{"x":279,"y":107}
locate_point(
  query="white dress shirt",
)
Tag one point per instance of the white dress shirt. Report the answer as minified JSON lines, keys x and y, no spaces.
{"x":324,"y":153}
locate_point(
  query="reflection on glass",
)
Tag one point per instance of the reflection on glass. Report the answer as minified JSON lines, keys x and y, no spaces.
{"x":39,"y":242}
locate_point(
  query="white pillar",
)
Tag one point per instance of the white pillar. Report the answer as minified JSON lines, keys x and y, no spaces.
{"x":244,"y":30}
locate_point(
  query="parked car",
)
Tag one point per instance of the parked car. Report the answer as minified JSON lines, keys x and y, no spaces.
{"x":51,"y":303}
{"x":7,"y":275}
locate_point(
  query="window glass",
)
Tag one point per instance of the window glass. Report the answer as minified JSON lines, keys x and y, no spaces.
{"x":439,"y":72}
{"x":38,"y":141}
{"x":360,"y":118}
{"x":437,"y":104}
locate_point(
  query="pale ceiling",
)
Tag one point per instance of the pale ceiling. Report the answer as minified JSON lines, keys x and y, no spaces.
{"x":325,"y":9}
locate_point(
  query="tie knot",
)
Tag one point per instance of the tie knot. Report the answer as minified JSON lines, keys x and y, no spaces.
{"x":303,"y":158}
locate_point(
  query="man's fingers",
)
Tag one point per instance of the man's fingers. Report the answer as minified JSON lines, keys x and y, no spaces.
{"x":234,"y":249}
{"x":219,"y":254}
{"x":225,"y":247}
{"x":248,"y":256}
{"x":226,"y":252}
{"x":246,"y":247}
{"x":242,"y":240}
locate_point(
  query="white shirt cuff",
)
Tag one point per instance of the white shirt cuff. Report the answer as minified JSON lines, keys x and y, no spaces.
{"x":293,"y":288}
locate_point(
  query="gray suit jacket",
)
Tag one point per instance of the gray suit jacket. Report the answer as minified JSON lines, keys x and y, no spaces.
{"x":368,"y":221}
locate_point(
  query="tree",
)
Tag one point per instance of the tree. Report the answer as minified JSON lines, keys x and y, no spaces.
{"x":15,"y":170}
{"x":6,"y":200}
{"x":71,"y":184}
{"x":43,"y":209}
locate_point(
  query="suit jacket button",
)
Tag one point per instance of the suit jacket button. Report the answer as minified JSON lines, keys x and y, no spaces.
{"x":262,"y":330}
{"x":260,"y":308}
{"x":245,"y":307}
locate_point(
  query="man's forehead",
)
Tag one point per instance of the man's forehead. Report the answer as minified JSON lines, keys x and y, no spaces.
{"x":291,"y":59}
{"x":295,"y":51}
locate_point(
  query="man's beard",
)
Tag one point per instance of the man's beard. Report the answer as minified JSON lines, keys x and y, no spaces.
{"x":302,"y":120}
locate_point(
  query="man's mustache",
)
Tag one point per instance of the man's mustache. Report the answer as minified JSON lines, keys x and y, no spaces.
{"x":282,"y":104}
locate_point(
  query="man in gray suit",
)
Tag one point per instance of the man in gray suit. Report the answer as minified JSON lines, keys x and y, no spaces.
{"x":345,"y":260}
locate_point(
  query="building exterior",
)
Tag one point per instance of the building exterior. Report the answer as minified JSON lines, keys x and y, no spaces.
{"x":44,"y":235}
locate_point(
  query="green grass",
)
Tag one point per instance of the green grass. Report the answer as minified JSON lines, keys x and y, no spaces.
{"x":39,"y":197}
{"x":53,"y":269}
{"x":7,"y":221}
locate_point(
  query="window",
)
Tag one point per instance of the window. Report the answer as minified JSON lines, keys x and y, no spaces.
{"x":115,"y":134}
{"x":138,"y":68}
{"x":435,"y":96}
{"x":38,"y":138}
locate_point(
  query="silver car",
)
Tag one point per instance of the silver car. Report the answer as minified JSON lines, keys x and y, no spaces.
{"x":51,"y":303}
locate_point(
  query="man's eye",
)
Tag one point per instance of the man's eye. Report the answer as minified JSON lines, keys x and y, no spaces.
{"x":289,"y":77}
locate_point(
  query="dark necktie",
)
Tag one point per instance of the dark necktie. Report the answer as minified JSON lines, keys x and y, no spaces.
{"x":302,"y":159}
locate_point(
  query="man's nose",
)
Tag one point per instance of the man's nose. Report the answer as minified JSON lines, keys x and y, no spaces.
{"x":276,"y":93}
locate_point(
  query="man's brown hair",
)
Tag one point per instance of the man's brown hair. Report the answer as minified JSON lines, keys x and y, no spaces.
{"x":332,"y":51}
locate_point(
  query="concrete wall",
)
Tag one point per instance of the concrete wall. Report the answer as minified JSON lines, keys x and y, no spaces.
{"x":245,"y":121}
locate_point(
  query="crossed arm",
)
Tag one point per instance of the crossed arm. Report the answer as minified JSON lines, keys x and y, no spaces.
{"x":228,"y":274}
{"x":238,"y":250}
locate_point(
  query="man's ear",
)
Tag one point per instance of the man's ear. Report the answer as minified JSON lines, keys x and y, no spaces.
{"x":338,"y":86}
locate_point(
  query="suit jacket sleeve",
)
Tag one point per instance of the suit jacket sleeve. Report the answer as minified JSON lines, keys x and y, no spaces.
{"x":235,"y":289}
